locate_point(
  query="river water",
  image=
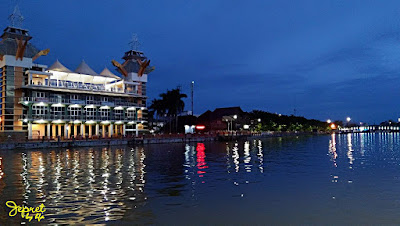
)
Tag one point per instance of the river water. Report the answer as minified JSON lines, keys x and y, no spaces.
{"x":333,"y":179}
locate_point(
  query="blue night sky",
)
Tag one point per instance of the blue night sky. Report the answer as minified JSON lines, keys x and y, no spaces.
{"x":327,"y":59}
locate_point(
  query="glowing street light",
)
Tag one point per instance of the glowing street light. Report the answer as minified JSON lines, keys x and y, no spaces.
{"x":348,"y":119}
{"x":259,"y":120}
{"x":235,"y":117}
{"x":328,"y":121}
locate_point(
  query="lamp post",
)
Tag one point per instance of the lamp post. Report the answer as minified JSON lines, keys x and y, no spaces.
{"x":192,"y":95}
{"x":348,"y":119}
{"x":234,"y":118}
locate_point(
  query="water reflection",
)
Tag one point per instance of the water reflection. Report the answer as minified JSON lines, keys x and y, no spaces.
{"x":1,"y":168}
{"x":201,"y":160}
{"x":260,"y":156}
{"x":350,"y":149}
{"x":206,"y":182}
{"x":332,"y":149}
{"x":82,"y":186}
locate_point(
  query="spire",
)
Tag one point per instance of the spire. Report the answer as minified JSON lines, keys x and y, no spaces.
{"x":134,"y":43}
{"x":108,"y":73}
{"x":57,"y":66}
{"x":16,"y":18}
{"x":83,"y":68}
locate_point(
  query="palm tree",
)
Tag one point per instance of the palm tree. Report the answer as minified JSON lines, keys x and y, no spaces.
{"x":170,"y":104}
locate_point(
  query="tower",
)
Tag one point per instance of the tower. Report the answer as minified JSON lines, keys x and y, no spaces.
{"x":16,"y":57}
{"x":135,"y":70}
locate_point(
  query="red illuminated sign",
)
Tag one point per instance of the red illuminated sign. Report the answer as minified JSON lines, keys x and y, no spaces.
{"x":200,"y":127}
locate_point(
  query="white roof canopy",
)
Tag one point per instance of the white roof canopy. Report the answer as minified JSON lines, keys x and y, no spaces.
{"x":57,"y":66}
{"x":83,"y":68}
{"x":108,"y":73}
{"x":82,"y":74}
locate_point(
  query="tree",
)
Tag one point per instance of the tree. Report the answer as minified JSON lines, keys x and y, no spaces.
{"x":170,"y":105}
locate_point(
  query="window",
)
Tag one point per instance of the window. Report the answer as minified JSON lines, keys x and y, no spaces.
{"x":104,"y":113}
{"x":119,"y":114}
{"x":40,"y":94}
{"x":104,"y":99}
{"x":89,"y":99}
{"x":75,"y":112}
{"x":38,"y":110}
{"x":74,"y":97}
{"x":130,"y":114}
{"x":90,"y":113}
{"x":130,"y":88}
{"x":57,"y":110}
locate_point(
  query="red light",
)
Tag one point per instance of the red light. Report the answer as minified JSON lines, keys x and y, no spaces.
{"x":200,"y":127}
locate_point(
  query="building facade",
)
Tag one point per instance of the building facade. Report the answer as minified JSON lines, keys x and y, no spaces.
{"x":39,"y":101}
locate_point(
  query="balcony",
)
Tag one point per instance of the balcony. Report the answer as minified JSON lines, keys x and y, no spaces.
{"x":26,"y":100}
{"x":69,"y":118}
{"x":64,"y":84}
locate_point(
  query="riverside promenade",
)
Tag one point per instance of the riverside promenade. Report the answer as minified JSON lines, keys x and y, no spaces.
{"x":147,"y":139}
{"x":115,"y":141}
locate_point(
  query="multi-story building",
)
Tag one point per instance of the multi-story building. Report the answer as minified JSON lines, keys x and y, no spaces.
{"x":54,"y":101}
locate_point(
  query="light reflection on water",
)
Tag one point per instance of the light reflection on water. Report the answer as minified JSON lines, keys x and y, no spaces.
{"x":340,"y":178}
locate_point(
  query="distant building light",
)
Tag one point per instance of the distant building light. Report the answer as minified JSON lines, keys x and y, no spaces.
{"x":25,"y":120}
{"x":246,"y":126}
{"x":333,"y":126}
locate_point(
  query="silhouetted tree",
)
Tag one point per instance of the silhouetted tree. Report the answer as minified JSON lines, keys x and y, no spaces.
{"x":171,"y":105}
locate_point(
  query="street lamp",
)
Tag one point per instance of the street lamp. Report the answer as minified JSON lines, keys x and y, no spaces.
{"x":348,"y":119}
{"x":328,"y":121}
{"x":192,"y":87}
{"x":259,"y":120}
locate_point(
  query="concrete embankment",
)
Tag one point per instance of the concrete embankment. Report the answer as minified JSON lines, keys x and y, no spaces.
{"x":285,"y":134}
{"x":149,"y":140}
{"x":92,"y":143}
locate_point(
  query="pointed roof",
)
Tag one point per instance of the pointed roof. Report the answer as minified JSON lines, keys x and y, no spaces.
{"x":83,"y":68}
{"x":108,"y":73}
{"x":57,"y":66}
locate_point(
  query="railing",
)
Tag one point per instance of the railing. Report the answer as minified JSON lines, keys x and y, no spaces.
{"x":80,"y":102}
{"x":49,"y":117}
{"x":64,"y":84}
